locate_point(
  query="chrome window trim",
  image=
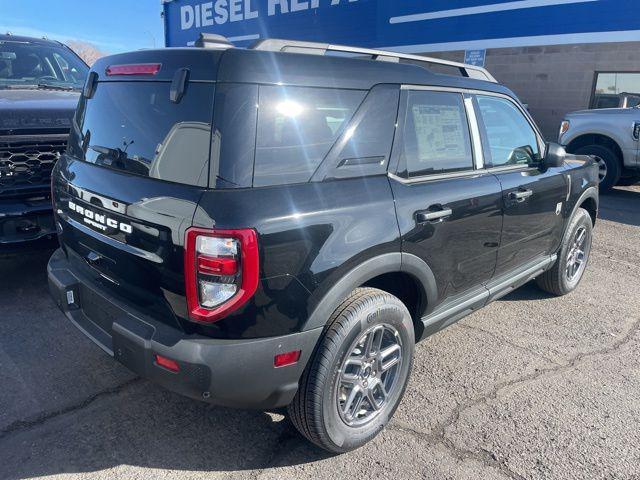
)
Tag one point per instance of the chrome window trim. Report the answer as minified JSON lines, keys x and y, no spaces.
{"x":476,"y":139}
{"x":474,"y":133}
{"x":437,"y":176}
{"x":478,"y":153}
{"x":470,"y":91}
{"x":510,"y":168}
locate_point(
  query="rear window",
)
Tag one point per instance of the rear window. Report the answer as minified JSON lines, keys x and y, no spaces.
{"x":296,"y":128}
{"x":133,"y":127}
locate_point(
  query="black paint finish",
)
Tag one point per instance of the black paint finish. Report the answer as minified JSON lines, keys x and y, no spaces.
{"x":460,"y":249}
{"x":311,"y":235}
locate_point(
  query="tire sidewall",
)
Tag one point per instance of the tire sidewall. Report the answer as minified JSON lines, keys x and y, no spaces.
{"x":580,"y":219}
{"x":395,"y":314}
{"x":613,"y":165}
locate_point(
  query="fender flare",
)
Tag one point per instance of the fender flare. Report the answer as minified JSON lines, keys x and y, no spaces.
{"x":591,"y":192}
{"x":365,"y":271}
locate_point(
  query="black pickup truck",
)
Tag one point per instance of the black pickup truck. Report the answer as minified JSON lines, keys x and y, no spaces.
{"x":40,"y":83}
{"x":278,"y":226}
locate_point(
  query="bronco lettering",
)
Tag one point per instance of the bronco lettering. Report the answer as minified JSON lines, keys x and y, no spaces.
{"x":99,"y":221}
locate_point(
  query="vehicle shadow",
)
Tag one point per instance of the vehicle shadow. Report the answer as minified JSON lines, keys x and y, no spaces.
{"x":66,"y":407}
{"x":622,"y":205}
{"x":527,"y":292}
{"x":145,"y":427}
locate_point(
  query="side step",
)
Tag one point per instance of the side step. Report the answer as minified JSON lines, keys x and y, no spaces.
{"x":451,"y":312}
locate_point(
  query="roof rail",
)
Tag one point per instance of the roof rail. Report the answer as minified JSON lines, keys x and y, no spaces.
{"x":316,"y":48}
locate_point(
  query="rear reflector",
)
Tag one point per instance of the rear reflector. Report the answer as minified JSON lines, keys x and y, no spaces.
{"x":284,"y":359}
{"x":134,"y":69}
{"x":167,"y":363}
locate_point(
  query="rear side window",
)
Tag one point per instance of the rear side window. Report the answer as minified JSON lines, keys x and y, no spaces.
{"x":133,"y":127}
{"x":435,"y":136}
{"x":296,"y":128}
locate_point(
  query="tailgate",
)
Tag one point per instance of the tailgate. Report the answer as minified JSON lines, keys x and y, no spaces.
{"x":128,"y":187}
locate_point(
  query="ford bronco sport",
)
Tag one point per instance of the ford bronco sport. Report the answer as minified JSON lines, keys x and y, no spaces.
{"x":40,"y":83}
{"x":278,"y":226}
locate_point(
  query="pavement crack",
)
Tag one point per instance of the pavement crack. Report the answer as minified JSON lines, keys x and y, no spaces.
{"x":439,"y":432}
{"x":510,"y":343}
{"x":22,"y":425}
{"x":485,"y":457}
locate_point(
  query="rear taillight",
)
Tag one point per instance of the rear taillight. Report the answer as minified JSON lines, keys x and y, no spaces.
{"x":221,"y":271}
{"x":134,"y":69}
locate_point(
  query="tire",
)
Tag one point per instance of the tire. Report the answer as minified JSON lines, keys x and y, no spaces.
{"x":557,"y":280}
{"x":610,"y":167}
{"x":321,"y":410}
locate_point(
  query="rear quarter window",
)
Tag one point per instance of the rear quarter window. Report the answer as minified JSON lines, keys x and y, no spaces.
{"x":296,"y":128}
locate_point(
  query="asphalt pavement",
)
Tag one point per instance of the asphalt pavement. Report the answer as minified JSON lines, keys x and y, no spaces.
{"x":531,"y":387}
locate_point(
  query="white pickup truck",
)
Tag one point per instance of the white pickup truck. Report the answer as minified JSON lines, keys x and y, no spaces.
{"x":612,"y":136}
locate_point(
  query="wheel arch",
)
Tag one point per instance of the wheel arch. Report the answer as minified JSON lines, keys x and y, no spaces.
{"x":588,"y":200}
{"x":404,"y":275}
{"x":600,"y":139}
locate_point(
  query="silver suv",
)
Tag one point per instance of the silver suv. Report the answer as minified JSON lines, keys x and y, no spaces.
{"x":612,"y":136}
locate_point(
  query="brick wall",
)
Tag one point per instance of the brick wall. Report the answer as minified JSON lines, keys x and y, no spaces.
{"x":555,"y":79}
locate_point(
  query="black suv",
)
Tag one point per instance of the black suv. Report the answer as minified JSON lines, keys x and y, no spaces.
{"x":279,"y":225}
{"x":40,"y":83}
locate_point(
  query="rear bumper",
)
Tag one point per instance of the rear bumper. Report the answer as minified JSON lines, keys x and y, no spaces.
{"x":232,"y":373}
{"x":25,"y":221}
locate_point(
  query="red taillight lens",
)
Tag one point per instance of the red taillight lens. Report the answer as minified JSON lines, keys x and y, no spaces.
{"x":217,"y":266}
{"x":285,"y":359}
{"x":134,"y":69}
{"x":221,"y":271}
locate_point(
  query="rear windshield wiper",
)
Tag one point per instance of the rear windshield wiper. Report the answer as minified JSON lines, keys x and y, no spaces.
{"x":53,"y":86}
{"x":17,"y":86}
{"x":37,"y":86}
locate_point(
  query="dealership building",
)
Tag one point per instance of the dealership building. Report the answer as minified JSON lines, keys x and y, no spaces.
{"x":557,"y":55}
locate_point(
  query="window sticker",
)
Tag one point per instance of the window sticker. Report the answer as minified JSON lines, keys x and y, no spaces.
{"x":439,"y":129}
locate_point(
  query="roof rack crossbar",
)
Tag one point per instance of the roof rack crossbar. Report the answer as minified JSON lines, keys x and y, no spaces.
{"x":278,"y":45}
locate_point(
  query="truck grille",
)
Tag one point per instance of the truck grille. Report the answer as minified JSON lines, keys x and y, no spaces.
{"x":25,"y":167}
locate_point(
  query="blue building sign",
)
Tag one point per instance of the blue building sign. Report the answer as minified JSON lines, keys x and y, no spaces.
{"x":406,"y":25}
{"x":475,"y":57}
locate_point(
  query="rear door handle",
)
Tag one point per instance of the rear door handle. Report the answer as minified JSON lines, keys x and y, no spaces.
{"x":520,"y":195}
{"x":425,"y":216}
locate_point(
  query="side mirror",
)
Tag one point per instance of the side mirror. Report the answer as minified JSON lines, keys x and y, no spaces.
{"x":555,"y":156}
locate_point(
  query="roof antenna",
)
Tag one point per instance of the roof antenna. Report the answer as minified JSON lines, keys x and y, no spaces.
{"x":211,"y":40}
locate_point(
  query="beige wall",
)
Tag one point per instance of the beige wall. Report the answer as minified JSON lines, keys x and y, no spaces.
{"x":555,"y":79}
